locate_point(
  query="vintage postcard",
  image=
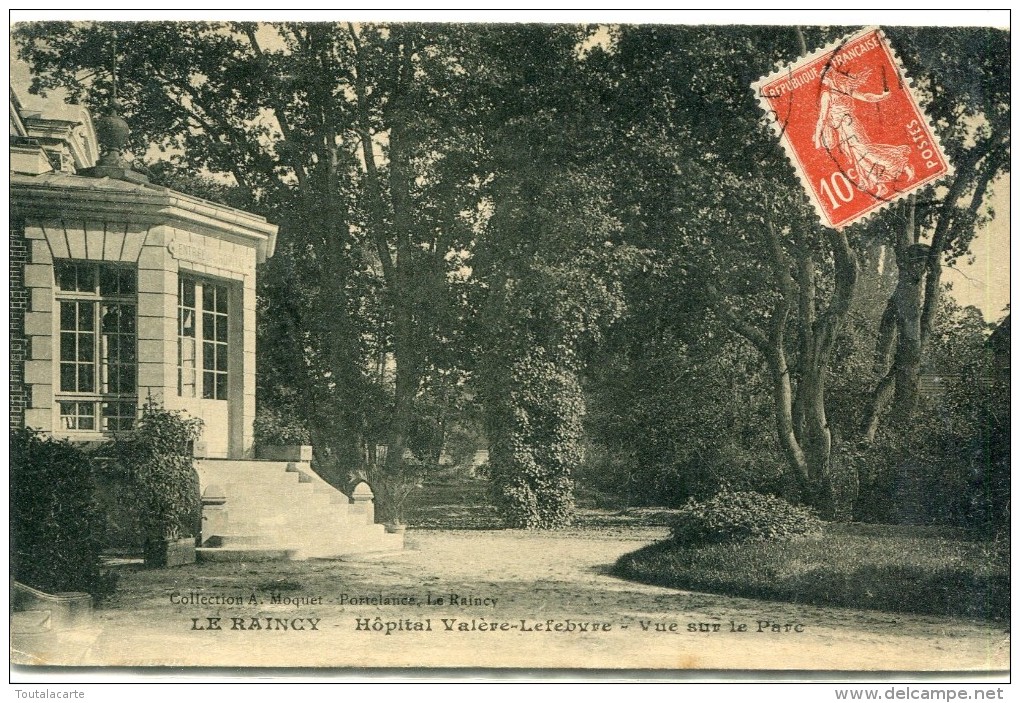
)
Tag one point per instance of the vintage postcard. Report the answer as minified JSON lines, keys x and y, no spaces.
{"x":610,"y":346}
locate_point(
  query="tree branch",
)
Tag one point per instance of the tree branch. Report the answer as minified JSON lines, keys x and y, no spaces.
{"x":379,"y":229}
{"x":278,"y":109}
{"x":941,"y":239}
{"x":746,"y":330}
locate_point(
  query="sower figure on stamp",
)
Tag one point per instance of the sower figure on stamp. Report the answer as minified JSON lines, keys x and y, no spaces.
{"x":871,"y":166}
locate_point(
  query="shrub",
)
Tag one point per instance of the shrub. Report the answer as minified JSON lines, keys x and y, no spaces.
{"x":157,"y":458}
{"x":55,"y":523}
{"x":275,"y":428}
{"x":119,"y":502}
{"x":740,"y":516}
{"x":670,"y":474}
{"x":393,"y":485}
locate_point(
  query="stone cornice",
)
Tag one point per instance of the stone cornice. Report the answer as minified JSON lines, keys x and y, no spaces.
{"x":61,"y":196}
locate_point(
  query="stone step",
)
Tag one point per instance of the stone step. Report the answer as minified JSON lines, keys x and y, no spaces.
{"x":296,"y":511}
{"x":241,"y":527}
{"x":233,"y":465}
{"x":268,"y":497}
{"x":261,"y":483}
{"x":275,"y":512}
{"x":296,"y":550}
{"x":243,"y":554}
{"x":238,"y":539}
{"x":284,"y":510}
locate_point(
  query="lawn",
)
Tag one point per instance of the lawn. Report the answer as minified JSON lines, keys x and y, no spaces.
{"x":926,"y":570}
{"x":463,"y":504}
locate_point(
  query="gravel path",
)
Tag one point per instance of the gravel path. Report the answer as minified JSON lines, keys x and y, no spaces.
{"x":532,"y":600}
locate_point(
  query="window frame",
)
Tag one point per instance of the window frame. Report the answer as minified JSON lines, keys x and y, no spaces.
{"x":209,"y":373}
{"x":123,"y":341}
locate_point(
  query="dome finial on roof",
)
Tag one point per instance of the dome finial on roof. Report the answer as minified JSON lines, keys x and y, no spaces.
{"x":113,"y":133}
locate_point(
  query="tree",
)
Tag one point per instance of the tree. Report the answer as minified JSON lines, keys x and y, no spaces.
{"x":713,"y":195}
{"x":733,"y":229}
{"x":961,"y":79}
{"x":673,"y":414}
{"x":540,"y":312}
{"x":548,"y":263}
{"x":953,"y":468}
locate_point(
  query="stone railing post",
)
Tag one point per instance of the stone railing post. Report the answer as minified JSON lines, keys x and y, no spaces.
{"x":364,"y":499}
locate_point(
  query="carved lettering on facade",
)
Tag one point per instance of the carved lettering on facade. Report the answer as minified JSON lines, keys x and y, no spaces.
{"x":203,"y":255}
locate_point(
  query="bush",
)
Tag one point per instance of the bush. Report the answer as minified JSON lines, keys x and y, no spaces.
{"x":120,"y":503}
{"x":741,"y":516}
{"x":393,"y":485}
{"x":274,"y":428}
{"x":669,"y":475}
{"x":55,"y":523}
{"x":157,"y":458}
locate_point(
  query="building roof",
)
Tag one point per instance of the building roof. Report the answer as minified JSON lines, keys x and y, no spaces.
{"x":62,"y":195}
{"x":53,"y":176}
{"x":59,"y":129}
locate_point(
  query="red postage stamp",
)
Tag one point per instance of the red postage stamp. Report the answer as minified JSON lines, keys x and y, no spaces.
{"x":855,"y":133}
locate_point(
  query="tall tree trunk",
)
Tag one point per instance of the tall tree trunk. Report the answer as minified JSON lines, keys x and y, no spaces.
{"x":391,"y":223}
{"x":918,"y":291}
{"x":817,"y":443}
{"x":407,"y":345}
{"x":907,"y":299}
{"x":801,"y":422}
{"x":782,"y":395}
{"x":884,"y":353}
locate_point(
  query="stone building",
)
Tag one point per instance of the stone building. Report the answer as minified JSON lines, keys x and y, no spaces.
{"x":121,"y":291}
{"x":129,"y":291}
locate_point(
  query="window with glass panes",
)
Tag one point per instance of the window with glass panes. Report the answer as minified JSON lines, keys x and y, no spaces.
{"x":98,"y":365}
{"x":202,"y":324}
{"x":186,"y":313}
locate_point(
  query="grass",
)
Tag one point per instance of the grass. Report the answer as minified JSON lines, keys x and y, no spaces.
{"x":463,"y":504}
{"x":451,"y":505}
{"x":935,"y":571}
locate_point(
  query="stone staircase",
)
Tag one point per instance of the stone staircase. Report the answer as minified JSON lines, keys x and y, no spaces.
{"x":269,"y":510}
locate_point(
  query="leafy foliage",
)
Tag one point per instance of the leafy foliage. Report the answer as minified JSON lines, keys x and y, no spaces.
{"x":542,"y":312}
{"x":706,"y":189}
{"x":468,"y":213}
{"x":158,"y":458}
{"x":56,"y":526}
{"x":671,"y":418}
{"x":737,"y":516}
{"x":853,"y":566}
{"x":537,"y":432}
{"x":953,"y":469}
{"x":273,"y":428}
{"x":394,"y":485}
{"x":549,"y":266}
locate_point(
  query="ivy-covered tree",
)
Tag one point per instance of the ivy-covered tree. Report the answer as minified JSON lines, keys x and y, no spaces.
{"x":541,"y":309}
{"x":548,"y":264}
